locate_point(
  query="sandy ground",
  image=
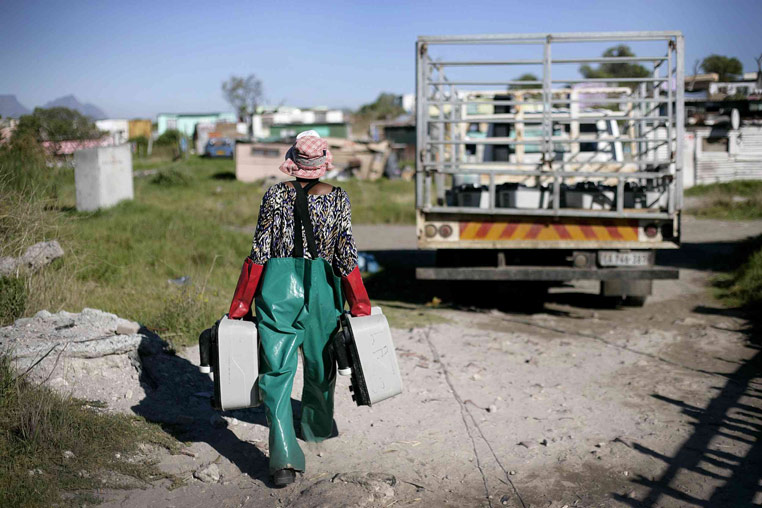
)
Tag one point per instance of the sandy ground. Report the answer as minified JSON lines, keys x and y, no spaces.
{"x":576,"y":405}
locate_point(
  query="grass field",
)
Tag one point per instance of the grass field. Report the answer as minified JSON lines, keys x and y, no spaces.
{"x":740,"y":200}
{"x":189,"y":218}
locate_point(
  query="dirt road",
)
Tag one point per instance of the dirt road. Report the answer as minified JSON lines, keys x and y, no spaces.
{"x":575,"y":405}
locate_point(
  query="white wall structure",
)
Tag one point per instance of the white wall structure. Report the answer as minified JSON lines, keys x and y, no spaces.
{"x":723,"y":154}
{"x":334,"y":116}
{"x":103,"y":176}
{"x":285,"y":115}
{"x":118,"y":129}
{"x":408,"y":102}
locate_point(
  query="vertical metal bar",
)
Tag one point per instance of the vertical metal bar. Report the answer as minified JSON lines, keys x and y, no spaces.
{"x":574,"y":125}
{"x":439,"y":176}
{"x":654,"y":111}
{"x":427,"y":192}
{"x":680,"y":118}
{"x":457,"y":134}
{"x":428,"y":72}
{"x":556,"y":192}
{"x":620,"y":193}
{"x":420,"y":123}
{"x":492,"y":200}
{"x":670,"y":146}
{"x":642,"y":146}
{"x":547,"y":146}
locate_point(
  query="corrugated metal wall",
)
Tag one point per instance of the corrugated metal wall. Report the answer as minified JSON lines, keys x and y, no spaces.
{"x":744,"y":164}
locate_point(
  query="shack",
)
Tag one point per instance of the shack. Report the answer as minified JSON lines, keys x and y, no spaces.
{"x":257,"y":161}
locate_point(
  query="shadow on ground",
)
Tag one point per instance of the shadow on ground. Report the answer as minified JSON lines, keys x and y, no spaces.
{"x":709,"y":256}
{"x":178,"y":398}
{"x":397,"y":282}
{"x":224,"y":175}
{"x":727,"y":419}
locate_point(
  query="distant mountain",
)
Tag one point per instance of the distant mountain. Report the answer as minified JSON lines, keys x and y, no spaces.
{"x":10,"y":107}
{"x":71,"y":102}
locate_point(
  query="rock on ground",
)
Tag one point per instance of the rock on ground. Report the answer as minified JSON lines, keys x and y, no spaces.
{"x":92,"y":354}
{"x":209,"y":474}
{"x":36,"y":256}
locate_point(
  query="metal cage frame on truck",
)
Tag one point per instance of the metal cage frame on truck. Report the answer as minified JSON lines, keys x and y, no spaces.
{"x":655,"y":115}
{"x":645,"y":159}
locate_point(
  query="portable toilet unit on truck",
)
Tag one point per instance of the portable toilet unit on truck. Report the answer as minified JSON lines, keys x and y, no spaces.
{"x":556,"y":178}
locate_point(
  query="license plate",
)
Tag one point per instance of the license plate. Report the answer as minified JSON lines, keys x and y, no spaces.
{"x":613,"y":258}
{"x":220,"y":152}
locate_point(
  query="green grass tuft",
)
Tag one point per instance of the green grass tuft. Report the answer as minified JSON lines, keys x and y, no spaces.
{"x":739,"y":200}
{"x":12,"y":299}
{"x":736,"y":188}
{"x":171,"y":177}
{"x":743,"y":286}
{"x":37,"y":427}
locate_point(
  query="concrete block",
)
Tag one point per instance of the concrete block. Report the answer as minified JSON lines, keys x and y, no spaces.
{"x":103,"y":176}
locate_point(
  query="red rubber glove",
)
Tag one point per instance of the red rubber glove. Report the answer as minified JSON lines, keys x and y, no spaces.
{"x":245,"y":289}
{"x":355,"y":293}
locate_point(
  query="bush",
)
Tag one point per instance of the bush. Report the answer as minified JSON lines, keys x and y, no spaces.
{"x":12,"y":299}
{"x":57,"y":124}
{"x":185,"y":313}
{"x":24,"y":166}
{"x":171,"y":178}
{"x":141,"y":145}
{"x":170,"y":137}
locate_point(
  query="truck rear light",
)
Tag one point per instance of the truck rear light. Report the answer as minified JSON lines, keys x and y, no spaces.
{"x":445,"y":230}
{"x":651,"y":230}
{"x":430,"y":230}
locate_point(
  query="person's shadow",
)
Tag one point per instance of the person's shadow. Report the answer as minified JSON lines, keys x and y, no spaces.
{"x":178,"y":398}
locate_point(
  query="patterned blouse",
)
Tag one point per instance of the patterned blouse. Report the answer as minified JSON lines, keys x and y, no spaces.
{"x":331,"y":220}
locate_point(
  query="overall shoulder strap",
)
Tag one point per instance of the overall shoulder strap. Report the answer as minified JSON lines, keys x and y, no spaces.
{"x":302,"y":220}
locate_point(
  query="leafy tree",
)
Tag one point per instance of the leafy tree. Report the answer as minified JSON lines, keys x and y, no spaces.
{"x":728,"y":68}
{"x":385,"y":107}
{"x":170,"y":137}
{"x":244,"y":94}
{"x":526,"y":77}
{"x":616,"y":69}
{"x":56,"y":125}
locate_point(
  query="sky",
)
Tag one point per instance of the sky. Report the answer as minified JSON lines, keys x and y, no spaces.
{"x":136,"y":59}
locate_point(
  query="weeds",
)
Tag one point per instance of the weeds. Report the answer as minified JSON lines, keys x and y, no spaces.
{"x":51,"y":445}
{"x":743,"y":286}
{"x":12,"y":299}
{"x":171,"y":178}
{"x":24,"y":167}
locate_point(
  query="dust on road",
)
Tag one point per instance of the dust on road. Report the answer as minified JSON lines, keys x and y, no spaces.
{"x":575,"y":405}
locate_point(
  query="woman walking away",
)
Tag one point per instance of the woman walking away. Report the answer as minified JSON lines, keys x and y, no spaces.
{"x":299,"y":299}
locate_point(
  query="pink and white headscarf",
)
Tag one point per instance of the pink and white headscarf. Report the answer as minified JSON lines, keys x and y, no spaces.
{"x":308,"y":158}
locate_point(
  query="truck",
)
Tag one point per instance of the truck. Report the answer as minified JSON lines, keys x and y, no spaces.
{"x":565,"y":173}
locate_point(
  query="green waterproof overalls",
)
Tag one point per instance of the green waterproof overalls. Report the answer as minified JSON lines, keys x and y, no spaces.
{"x":298,"y":307}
